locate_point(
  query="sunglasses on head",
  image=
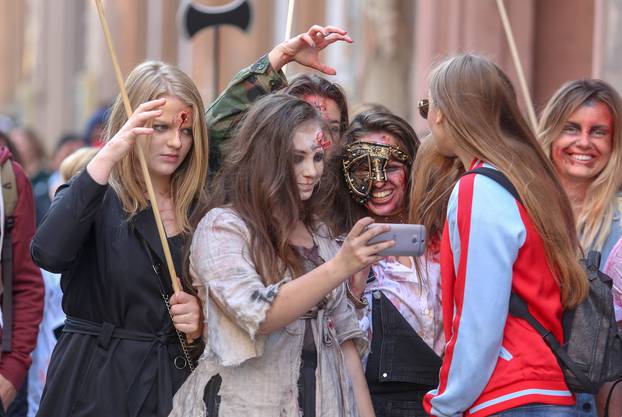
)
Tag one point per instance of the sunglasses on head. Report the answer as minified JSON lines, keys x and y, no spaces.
{"x":424,"y":106}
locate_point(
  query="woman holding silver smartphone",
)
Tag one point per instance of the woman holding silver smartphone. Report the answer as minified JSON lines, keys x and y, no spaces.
{"x":398,"y":303}
{"x":280,"y":335}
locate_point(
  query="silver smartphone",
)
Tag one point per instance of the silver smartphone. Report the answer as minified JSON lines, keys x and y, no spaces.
{"x":409,"y":239}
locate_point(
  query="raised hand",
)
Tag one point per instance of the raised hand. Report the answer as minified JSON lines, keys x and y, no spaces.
{"x":121,"y":143}
{"x":305,"y":48}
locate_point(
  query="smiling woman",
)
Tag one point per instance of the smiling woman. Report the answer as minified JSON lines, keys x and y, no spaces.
{"x":398,"y":303}
{"x":580,"y":132}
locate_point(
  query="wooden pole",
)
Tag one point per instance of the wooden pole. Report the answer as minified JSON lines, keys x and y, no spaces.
{"x":139,"y":150}
{"x":517,"y":63}
{"x":288,"y":26}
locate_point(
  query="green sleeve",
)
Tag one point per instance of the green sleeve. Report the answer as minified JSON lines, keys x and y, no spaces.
{"x":248,"y":85}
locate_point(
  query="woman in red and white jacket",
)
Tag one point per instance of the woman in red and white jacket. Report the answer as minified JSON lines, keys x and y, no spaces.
{"x":492,"y":244}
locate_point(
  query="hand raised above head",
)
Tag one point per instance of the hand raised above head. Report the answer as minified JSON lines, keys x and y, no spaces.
{"x":305,"y":48}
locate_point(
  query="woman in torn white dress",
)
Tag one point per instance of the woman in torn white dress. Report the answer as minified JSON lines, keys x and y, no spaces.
{"x":281,"y":338}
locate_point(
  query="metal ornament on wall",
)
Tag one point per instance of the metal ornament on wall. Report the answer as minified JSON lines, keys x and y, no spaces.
{"x":193,"y":18}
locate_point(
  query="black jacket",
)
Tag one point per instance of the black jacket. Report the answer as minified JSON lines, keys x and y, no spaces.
{"x":115,"y":356}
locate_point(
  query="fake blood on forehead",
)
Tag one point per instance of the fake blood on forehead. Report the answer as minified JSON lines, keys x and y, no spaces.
{"x":318,"y":102}
{"x":181,"y":119}
{"x":322,"y":141}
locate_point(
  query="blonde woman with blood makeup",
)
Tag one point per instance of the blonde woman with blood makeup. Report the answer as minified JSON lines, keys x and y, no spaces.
{"x":119,"y":354}
{"x":580,"y":132}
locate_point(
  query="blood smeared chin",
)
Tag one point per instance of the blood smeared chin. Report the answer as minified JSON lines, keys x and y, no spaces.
{"x":393,"y":203}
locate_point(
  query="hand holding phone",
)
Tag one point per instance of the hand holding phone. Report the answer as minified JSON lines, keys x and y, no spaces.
{"x":356,"y":252}
{"x":410,"y":239}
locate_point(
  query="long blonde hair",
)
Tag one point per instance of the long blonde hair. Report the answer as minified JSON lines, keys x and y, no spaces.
{"x":600,"y":204}
{"x":76,"y":162}
{"x":148,"y":81}
{"x":482,"y":119}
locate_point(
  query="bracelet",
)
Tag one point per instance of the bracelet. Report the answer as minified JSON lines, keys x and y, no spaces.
{"x":358,"y":303}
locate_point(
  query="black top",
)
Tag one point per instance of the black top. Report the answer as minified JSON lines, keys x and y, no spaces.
{"x":115,"y":356}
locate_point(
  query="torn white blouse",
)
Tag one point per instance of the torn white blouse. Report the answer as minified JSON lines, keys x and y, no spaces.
{"x":260,"y":372}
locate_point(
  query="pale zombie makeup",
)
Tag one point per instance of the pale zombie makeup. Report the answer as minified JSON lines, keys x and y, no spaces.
{"x":172,"y":138}
{"x":584,"y":146}
{"x":309,"y":143}
{"x":376,"y":171}
{"x":330,"y":112}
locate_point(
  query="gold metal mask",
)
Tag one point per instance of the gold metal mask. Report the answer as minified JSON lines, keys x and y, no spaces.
{"x":364,"y":162}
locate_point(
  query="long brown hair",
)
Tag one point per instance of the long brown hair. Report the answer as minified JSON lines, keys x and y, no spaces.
{"x":341,"y":211}
{"x":600,"y":205}
{"x":257,"y":180}
{"x":482,"y":118}
{"x":148,"y":81}
{"x":433,"y":177}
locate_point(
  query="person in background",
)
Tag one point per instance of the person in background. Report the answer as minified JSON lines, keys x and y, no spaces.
{"x":580,"y":130}
{"x":266,"y":76}
{"x":66,"y":146}
{"x":32,"y":156}
{"x":493,"y":245}
{"x":53,"y":315}
{"x":96,"y":127}
{"x":22,"y":287}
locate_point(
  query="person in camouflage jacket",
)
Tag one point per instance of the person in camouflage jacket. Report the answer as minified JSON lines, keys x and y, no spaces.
{"x":266,"y":76}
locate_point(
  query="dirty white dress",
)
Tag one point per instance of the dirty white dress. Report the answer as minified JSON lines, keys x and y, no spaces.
{"x":260,"y":372}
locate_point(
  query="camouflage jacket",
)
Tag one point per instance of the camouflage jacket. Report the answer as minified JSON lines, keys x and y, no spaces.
{"x":248,"y":85}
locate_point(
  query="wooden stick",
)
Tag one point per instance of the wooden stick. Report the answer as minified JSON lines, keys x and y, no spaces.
{"x":288,"y":26}
{"x":139,"y":149}
{"x":517,"y":63}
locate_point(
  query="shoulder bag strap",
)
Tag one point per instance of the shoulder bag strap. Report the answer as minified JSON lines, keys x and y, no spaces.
{"x":518,"y":307}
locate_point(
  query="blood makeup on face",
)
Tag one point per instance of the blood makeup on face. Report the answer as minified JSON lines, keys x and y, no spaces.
{"x":322,"y":141}
{"x":585,"y":143}
{"x":180,"y":120}
{"x":388,"y":197}
{"x":308,"y":158}
{"x":329,"y":110}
